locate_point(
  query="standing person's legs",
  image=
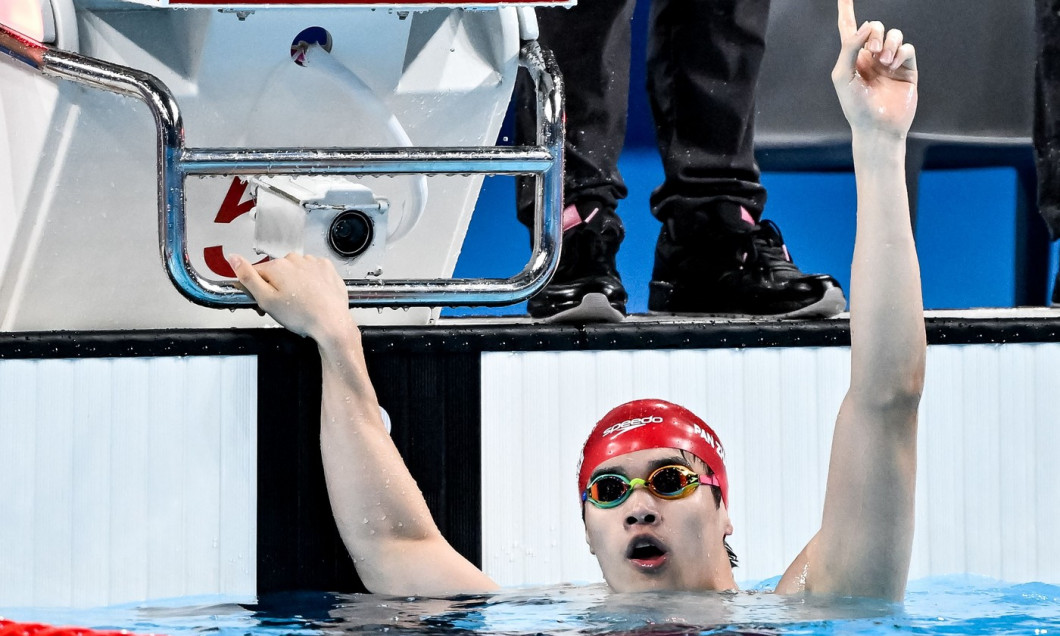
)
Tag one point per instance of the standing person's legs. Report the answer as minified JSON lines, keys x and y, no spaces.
{"x":703,"y":62}
{"x":1047,"y":119}
{"x":713,"y":254}
{"x":591,"y":43}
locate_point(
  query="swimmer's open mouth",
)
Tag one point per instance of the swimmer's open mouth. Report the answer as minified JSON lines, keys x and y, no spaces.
{"x":646,"y":552}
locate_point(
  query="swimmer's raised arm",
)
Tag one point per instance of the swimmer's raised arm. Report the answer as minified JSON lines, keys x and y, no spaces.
{"x":864,"y":544}
{"x":378,"y":508}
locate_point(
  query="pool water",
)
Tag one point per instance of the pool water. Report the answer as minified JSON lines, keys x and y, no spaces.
{"x":941,"y":605}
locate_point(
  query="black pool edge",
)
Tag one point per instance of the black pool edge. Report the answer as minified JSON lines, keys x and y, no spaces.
{"x":475,"y":338}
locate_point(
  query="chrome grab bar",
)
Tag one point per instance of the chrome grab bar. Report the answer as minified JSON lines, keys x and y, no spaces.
{"x":176,"y":163}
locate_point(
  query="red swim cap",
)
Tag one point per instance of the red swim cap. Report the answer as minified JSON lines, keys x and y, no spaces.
{"x":644,"y":424}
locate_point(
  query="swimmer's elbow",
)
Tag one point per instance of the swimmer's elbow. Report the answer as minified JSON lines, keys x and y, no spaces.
{"x":904,"y":399}
{"x":892,"y":391}
{"x":904,"y":395}
{"x":421,"y":568}
{"x":894,"y":401}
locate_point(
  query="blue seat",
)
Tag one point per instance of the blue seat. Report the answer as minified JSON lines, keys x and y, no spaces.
{"x":976,"y":106}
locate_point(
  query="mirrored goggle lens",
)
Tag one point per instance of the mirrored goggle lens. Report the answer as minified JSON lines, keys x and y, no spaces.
{"x":671,"y":481}
{"x":608,"y":489}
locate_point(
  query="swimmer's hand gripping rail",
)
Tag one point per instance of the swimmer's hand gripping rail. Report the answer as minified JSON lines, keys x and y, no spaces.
{"x":176,"y":163}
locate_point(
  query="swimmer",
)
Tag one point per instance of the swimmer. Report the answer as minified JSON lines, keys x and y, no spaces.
{"x":652,"y":481}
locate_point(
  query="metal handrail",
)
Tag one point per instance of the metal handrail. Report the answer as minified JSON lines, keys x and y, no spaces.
{"x":176,"y":163}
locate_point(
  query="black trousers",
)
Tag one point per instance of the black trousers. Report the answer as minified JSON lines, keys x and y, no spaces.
{"x":703,"y":62}
{"x":1047,"y":114}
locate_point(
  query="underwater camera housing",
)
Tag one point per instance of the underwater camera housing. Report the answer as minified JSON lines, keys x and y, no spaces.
{"x":336,"y":219}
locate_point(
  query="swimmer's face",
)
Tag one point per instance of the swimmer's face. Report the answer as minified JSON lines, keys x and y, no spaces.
{"x":647,"y":543}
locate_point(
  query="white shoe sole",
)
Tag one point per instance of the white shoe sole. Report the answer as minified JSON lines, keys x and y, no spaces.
{"x":831,"y":304}
{"x":594,"y":307}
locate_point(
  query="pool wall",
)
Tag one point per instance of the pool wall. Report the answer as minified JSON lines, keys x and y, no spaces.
{"x":127,"y":478}
{"x":986,"y":488}
{"x":146,"y":465}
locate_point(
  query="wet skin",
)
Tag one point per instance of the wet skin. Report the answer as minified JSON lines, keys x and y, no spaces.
{"x":647,"y":543}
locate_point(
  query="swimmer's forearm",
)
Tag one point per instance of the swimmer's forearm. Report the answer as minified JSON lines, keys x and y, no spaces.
{"x":374,"y":498}
{"x":379,"y":510}
{"x":886,"y":308}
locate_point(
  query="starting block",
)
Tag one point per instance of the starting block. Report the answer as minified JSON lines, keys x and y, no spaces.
{"x":355,"y":130}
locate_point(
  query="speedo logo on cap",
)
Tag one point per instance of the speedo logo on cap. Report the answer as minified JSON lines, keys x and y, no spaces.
{"x":629,"y":425}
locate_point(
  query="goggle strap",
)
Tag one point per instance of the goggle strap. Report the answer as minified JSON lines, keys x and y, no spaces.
{"x":709,"y":480}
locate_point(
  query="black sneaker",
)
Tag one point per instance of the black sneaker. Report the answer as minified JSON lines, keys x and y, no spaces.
{"x":749,"y":274}
{"x":586,"y":287}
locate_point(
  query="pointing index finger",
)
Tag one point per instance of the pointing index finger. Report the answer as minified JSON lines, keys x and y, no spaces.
{"x":848,"y":24}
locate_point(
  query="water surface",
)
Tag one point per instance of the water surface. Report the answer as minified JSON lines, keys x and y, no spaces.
{"x":941,"y":605}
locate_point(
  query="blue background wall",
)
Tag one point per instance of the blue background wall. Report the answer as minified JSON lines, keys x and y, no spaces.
{"x":965,"y":233}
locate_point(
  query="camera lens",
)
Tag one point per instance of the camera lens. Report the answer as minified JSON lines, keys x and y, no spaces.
{"x":350,"y":233}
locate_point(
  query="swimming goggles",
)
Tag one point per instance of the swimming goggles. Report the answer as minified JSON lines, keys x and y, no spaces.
{"x":669,"y":482}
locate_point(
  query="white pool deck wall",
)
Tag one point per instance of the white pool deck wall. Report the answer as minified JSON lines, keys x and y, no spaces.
{"x":135,"y":478}
{"x":988,"y":491}
{"x":125,"y":479}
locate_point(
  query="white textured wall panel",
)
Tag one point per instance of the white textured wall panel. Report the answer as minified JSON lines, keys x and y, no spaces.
{"x":127,"y":479}
{"x":987,"y":486}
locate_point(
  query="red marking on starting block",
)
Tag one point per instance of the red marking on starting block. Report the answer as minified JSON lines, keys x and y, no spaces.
{"x":218,"y":263}
{"x":231,"y":209}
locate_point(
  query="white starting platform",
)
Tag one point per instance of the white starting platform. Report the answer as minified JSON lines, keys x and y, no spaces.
{"x":157,"y":136}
